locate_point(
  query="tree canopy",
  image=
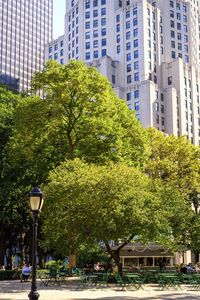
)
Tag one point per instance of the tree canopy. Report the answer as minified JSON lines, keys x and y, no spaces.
{"x":80,"y":116}
{"x":90,"y":203}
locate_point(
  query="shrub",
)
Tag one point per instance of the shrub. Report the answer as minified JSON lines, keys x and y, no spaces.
{"x":10,"y":275}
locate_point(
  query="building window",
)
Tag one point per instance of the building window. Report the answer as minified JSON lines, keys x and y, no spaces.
{"x":95,"y":44}
{"x":172,"y":44}
{"x":128,"y":68}
{"x":135,"y":32}
{"x":103,"y":42}
{"x":128,"y":56}
{"x":137,"y":106}
{"x":103,"y":52}
{"x":87,"y":35}
{"x":95,"y":33}
{"x":95,"y":3}
{"x":103,"y":31}
{"x":118,"y":27}
{"x":128,"y":35}
{"x":179,"y":36}
{"x":118,"y":48}
{"x":129,"y":79}
{"x":103,"y":2}
{"x":103,"y":11}
{"x":128,"y":46}
{"x":135,"y":11}
{"x":113,"y":79}
{"x":136,"y":65}
{"x":87,"y":4}
{"x":95,"y":54}
{"x":103,"y":21}
{"x":87,"y":25}
{"x":87,"y":55}
{"x":128,"y":25}
{"x":169,"y":80}
{"x":128,"y":96}
{"x":95,"y":23}
{"x":87,"y":14}
{"x":136,"y":94}
{"x":118,"y":18}
{"x":173,"y":54}
{"x":136,"y":76}
{"x":61,"y":52}
{"x":135,"y":43}
{"x":136,"y":54}
{"x":95,"y":13}
{"x":135,"y":22}
{"x":55,"y":47}
{"x":50,"y":49}
{"x":128,"y":14}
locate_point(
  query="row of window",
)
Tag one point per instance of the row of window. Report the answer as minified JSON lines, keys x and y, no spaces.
{"x":95,"y":44}
{"x":95,"y":3}
{"x":128,"y":14}
{"x":95,"y":54}
{"x":136,"y":95}
{"x":56,"y":47}
{"x":178,"y":5}
{"x":95,"y":33}
{"x":136,"y":77}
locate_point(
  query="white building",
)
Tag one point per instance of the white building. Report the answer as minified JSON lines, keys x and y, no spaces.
{"x":149,"y":50}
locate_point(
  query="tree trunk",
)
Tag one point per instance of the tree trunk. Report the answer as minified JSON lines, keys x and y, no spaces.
{"x":115,"y":253}
{"x":72,"y":261}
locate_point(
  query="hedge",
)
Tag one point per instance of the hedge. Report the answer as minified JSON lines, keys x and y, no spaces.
{"x":9,"y":275}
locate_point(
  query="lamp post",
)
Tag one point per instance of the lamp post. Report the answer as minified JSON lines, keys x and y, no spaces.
{"x":36,"y":199}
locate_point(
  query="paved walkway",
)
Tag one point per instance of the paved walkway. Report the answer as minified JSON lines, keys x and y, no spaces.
{"x":15,"y":290}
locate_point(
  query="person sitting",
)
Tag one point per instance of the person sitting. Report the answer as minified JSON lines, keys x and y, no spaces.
{"x":25,"y":273}
{"x":97,"y":267}
{"x":190,"y":268}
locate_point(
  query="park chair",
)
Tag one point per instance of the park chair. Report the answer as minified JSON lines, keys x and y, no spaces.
{"x":102,"y":280}
{"x":120,"y":281}
{"x":194,"y":282}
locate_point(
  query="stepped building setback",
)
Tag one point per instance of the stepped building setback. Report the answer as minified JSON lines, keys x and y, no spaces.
{"x":25,"y":29}
{"x":148,"y":49}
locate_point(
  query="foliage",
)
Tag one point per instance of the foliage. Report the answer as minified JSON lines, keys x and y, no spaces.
{"x":176,"y":162}
{"x":80,"y":117}
{"x":53,"y":264}
{"x":91,"y":255}
{"x":90,"y":203}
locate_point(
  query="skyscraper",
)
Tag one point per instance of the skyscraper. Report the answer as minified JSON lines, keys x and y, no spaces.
{"x":149,"y":50}
{"x":25,"y":29}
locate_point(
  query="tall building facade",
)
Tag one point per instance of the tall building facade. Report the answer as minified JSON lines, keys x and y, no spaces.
{"x":25,"y":29}
{"x":149,"y":50}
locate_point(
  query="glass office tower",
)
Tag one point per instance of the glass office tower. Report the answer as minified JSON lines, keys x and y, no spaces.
{"x":25,"y":28}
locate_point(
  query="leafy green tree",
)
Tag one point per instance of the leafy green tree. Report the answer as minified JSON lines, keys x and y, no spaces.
{"x":176,"y":162}
{"x":79,"y":117}
{"x":88,"y":204}
{"x":11,"y":222}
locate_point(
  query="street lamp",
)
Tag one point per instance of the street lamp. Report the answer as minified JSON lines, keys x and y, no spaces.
{"x":36,"y":199}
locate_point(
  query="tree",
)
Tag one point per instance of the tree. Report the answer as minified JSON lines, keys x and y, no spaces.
{"x":176,"y":162}
{"x":79,"y":117}
{"x":11,"y":223}
{"x":89,"y":204}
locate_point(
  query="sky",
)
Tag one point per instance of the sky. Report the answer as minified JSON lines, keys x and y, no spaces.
{"x":58,"y":17}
